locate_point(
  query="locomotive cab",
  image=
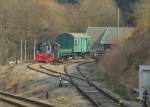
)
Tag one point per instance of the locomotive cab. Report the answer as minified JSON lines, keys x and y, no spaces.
{"x":44,"y":48}
{"x":46,"y":52}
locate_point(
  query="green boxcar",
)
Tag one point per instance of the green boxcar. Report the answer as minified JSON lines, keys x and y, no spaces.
{"x":73,"y":43}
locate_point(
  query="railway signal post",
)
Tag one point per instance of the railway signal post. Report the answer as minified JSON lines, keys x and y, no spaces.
{"x":47,"y":95}
{"x":60,"y":81}
{"x":145,"y":98}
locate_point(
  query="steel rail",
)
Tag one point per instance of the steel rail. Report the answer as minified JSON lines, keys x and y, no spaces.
{"x":80,"y":90}
{"x":42,"y":67}
{"x":43,"y":72}
{"x":117,"y":100}
{"x":21,"y":101}
{"x":71,"y":81}
{"x":74,"y":84}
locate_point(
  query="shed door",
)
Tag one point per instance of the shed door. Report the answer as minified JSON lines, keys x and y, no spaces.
{"x":146,"y":80}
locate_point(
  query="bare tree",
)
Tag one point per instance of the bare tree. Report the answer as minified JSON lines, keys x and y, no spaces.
{"x":142,"y":14}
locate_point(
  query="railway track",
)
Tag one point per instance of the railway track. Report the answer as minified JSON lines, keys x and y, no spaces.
{"x":109,"y":98}
{"x":51,"y":72}
{"x":42,"y":71}
{"x":10,"y":100}
{"x":64,"y":74}
{"x":97,"y":95}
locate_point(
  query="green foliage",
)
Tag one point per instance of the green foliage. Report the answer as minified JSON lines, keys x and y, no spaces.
{"x":99,"y":74}
{"x":117,"y":87}
{"x":120,"y":89}
{"x":105,"y":77}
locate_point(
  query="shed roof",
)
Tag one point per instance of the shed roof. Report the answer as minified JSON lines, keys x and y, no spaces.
{"x":108,"y":35}
{"x":96,"y":33}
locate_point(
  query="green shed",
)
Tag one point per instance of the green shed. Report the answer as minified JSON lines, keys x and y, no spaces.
{"x":73,"y":43}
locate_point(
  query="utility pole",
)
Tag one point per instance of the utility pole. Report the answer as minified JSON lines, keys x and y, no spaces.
{"x":118,"y":24}
{"x":34,"y":48}
{"x":26,"y":22}
{"x":25,"y":33}
{"x":25,"y":50}
{"x":5,"y":20}
{"x":5,"y":31}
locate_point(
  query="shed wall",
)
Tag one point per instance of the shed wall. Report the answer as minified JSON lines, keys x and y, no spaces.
{"x":144,"y":78}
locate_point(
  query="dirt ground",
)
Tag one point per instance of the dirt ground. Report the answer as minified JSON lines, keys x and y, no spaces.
{"x":67,"y":97}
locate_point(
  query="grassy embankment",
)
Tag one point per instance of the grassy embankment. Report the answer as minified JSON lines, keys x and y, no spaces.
{"x":120,"y":65}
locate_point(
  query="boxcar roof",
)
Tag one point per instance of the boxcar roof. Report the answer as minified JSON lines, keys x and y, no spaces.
{"x":76,"y":35}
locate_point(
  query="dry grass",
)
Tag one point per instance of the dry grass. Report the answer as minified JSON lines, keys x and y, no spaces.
{"x":21,"y":73}
{"x":4,"y":69}
{"x":67,"y":97}
{"x":122,"y":62}
{"x":35,"y":91}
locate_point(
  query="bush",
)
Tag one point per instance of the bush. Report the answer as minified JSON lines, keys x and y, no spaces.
{"x":122,"y":61}
{"x":120,"y":89}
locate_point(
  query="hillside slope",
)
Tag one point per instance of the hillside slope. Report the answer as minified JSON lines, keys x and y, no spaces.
{"x":122,"y":62}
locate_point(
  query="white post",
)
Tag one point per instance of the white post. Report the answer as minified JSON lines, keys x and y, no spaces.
{"x":118,"y":24}
{"x":34,"y":48}
{"x":25,"y":51}
{"x":58,"y":50}
{"x":21,"y":52}
{"x":50,"y":47}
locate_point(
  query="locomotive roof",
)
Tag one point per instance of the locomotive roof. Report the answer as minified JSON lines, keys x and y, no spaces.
{"x":47,"y":42}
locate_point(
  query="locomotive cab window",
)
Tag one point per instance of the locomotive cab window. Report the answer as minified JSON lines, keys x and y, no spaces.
{"x":44,"y":48}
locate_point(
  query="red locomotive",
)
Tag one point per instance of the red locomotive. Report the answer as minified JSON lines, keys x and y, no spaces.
{"x":46,"y":52}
